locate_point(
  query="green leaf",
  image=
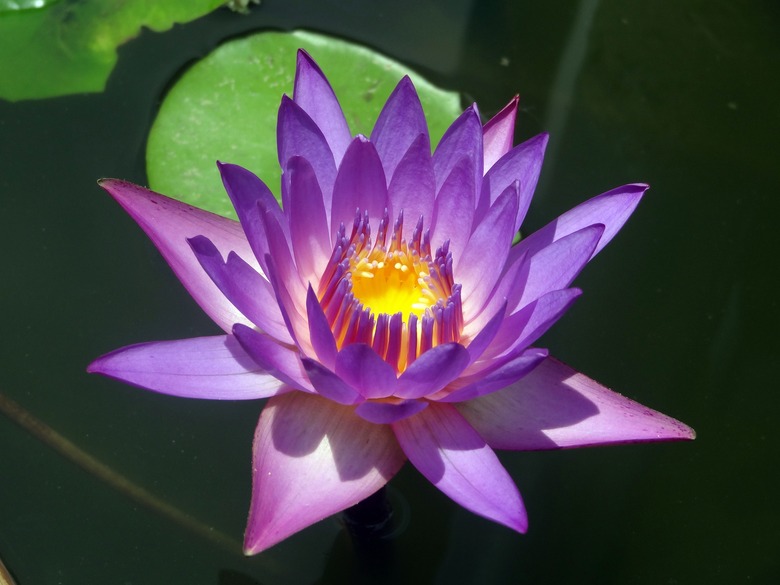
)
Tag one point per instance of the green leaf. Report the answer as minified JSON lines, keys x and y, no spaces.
{"x":70,"y":46}
{"x":224,"y":108}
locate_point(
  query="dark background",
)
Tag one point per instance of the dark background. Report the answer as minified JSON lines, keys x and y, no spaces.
{"x":680,"y":312}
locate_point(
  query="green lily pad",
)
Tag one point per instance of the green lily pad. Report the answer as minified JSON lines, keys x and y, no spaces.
{"x":70,"y":46}
{"x":224,"y":108}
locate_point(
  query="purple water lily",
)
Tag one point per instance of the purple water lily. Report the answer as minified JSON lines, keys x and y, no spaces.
{"x":383,"y":311}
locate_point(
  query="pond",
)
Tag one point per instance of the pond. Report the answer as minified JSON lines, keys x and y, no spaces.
{"x":677,"y":313}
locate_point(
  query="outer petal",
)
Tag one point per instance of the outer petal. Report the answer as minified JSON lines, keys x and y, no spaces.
{"x":450,"y":454}
{"x":399,"y":124}
{"x":556,"y":407}
{"x":611,"y":209}
{"x":312,"y":458}
{"x":316,"y":97}
{"x":202,"y":367}
{"x":499,"y":133}
{"x":169,"y":223}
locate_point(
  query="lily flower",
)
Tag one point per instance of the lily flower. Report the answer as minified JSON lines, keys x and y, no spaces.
{"x":383,"y":311}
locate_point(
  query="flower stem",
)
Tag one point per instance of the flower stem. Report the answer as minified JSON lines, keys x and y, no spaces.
{"x":370,"y":519}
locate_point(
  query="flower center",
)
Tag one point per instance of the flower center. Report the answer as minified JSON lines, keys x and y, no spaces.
{"x":395,"y":296}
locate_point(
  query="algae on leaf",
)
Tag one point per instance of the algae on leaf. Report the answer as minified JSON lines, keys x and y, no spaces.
{"x":224,"y":108}
{"x":70,"y":45}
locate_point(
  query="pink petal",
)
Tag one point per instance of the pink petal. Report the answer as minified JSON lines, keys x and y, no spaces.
{"x":202,"y":367}
{"x":557,"y":407}
{"x":442,"y":445}
{"x":169,"y":223}
{"x":312,"y":458}
{"x":315,"y":95}
{"x":499,"y":133}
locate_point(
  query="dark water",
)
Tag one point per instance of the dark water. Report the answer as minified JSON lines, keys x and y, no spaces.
{"x":679,"y":313}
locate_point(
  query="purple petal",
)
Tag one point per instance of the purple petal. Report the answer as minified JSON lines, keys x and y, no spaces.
{"x":251,"y":198}
{"x":433,"y":370}
{"x":453,"y":214}
{"x":169,"y":223}
{"x":361,"y":367}
{"x":412,"y":185}
{"x":442,"y":445}
{"x":501,"y":372}
{"x":462,"y":138}
{"x":383,"y":413}
{"x":483,"y":339}
{"x":202,"y":367}
{"x":312,"y":458}
{"x":483,"y":259}
{"x":556,"y":407}
{"x":499,"y":133}
{"x":522,"y":328}
{"x":399,"y":124}
{"x":329,"y":385}
{"x":298,"y":135}
{"x":554,"y":267}
{"x":360,"y":184}
{"x":610,"y":209}
{"x":243,"y":286}
{"x":315,"y":95}
{"x":321,"y":336}
{"x":504,"y":293}
{"x":523,"y":163}
{"x":308,"y":221}
{"x":278,"y":360}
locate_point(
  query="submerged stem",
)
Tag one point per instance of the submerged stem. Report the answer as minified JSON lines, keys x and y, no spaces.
{"x":116,"y":480}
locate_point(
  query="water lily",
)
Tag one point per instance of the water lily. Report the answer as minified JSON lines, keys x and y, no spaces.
{"x":383,"y":311}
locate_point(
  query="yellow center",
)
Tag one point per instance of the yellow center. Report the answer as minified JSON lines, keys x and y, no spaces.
{"x":391,"y":282}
